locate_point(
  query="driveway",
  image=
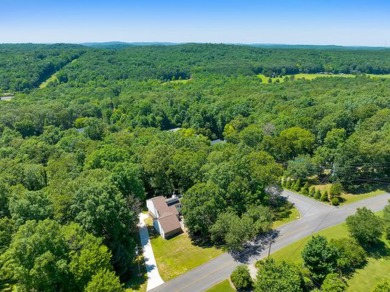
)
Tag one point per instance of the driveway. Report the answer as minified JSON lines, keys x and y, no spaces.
{"x":315,"y":216}
{"x":154,"y":279}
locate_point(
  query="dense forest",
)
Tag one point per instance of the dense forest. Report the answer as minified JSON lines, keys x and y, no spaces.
{"x":79,"y":156}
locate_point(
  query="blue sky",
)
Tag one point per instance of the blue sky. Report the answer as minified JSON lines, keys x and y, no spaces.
{"x":349,"y":22}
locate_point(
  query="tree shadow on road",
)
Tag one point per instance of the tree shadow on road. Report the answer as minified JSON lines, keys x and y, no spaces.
{"x":254,"y":248}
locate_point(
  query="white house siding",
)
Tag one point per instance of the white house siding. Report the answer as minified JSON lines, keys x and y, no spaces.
{"x":151,"y":208}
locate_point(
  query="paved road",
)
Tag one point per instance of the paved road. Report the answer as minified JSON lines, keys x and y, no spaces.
{"x":315,"y":216}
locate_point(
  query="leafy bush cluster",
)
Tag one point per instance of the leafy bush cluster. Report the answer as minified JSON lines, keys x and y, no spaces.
{"x":332,"y":196}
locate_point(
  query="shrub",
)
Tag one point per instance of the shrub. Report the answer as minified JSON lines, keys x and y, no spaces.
{"x":386,"y":219}
{"x":312,"y":191}
{"x":365,"y":226}
{"x":333,"y":283}
{"x":305,"y":189}
{"x":336,"y":189}
{"x":317,"y":195}
{"x":274,"y":276}
{"x":350,"y":254}
{"x":241,"y":277}
{"x":335,"y":201}
{"x":297,"y":185}
{"x":324,"y":197}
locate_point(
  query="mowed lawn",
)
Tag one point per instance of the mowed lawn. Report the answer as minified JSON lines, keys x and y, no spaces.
{"x":224,"y":286}
{"x":375,"y":271}
{"x":178,"y":255}
{"x":351,"y":198}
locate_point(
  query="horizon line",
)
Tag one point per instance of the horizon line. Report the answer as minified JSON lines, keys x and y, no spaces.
{"x":86,"y":43}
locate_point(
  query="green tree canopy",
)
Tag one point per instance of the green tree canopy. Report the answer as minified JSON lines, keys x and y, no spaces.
{"x":241,"y":277}
{"x":274,"y":276}
{"x":365,"y":226}
{"x":319,"y":257}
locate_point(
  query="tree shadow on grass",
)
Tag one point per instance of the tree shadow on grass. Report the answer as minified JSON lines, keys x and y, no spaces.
{"x":378,"y":251}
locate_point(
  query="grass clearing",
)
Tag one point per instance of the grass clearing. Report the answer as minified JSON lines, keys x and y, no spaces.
{"x":266,"y":79}
{"x":378,"y":76}
{"x":311,"y":76}
{"x":307,"y":76}
{"x":223,"y":286}
{"x":52,"y":78}
{"x":294,"y":215}
{"x":178,"y":255}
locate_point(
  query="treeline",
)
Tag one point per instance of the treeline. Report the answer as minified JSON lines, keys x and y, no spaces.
{"x":184,"y":61}
{"x":26,"y":66}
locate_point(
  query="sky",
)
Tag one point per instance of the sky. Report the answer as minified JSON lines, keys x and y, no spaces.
{"x":312,"y":22}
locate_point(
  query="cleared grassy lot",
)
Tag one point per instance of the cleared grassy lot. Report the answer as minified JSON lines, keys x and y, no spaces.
{"x":379,"y":75}
{"x":314,"y":76}
{"x":178,"y":255}
{"x":309,"y":76}
{"x":45,"y":83}
{"x":224,"y":286}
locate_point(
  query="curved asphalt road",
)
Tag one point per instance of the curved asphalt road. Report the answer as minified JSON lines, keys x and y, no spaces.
{"x":315,"y":216}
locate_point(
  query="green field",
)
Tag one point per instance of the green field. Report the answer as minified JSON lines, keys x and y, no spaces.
{"x":178,"y":255}
{"x":223,"y":286}
{"x":377,"y":269}
{"x":378,"y":76}
{"x":312,"y":76}
{"x":45,"y":83}
{"x":265,"y":79}
{"x":309,"y":76}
